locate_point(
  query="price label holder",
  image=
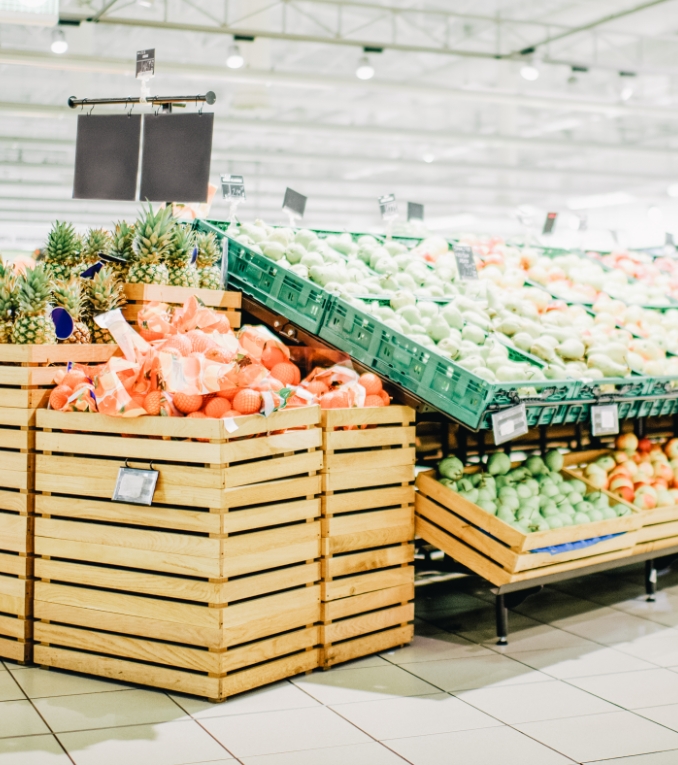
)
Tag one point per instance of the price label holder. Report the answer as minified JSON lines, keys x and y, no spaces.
{"x":233,"y":189}
{"x":388,"y":207}
{"x":509,"y":424}
{"x":294,"y":205}
{"x":415,"y":211}
{"x":604,"y":420}
{"x":145,"y":64}
{"x":549,"y":223}
{"x":135,"y":486}
{"x":465,"y":261}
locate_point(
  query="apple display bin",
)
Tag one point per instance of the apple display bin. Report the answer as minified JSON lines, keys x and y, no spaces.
{"x":212,"y":590}
{"x":26,"y":379}
{"x":659,"y":529}
{"x":367,"y":531}
{"x":139,"y":295}
{"x":503,"y":554}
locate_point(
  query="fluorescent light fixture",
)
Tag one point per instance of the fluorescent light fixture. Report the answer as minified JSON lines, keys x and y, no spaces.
{"x":529,"y":71}
{"x":428,"y":158}
{"x":613,"y":199}
{"x":672,"y":190}
{"x":59,"y":44}
{"x":146,"y":3}
{"x":235,"y":58}
{"x":365,"y":70}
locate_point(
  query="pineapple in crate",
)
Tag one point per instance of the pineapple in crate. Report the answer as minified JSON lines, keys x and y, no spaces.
{"x":8,"y":302}
{"x":122,"y":240}
{"x":68,"y":294}
{"x":62,"y":252}
{"x":182,"y":272}
{"x":152,"y":240}
{"x":33,"y":324}
{"x":105,"y":294}
{"x":97,"y":242}
{"x":209,"y":254}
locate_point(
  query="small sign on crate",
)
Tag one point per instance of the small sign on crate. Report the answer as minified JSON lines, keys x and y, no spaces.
{"x":509,"y":424}
{"x":604,"y":420}
{"x":135,"y":486}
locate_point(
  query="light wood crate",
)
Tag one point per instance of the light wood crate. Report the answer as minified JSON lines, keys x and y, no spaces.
{"x":502,"y":554}
{"x":26,"y":379}
{"x":212,"y":590}
{"x":139,"y":295}
{"x":367,"y":531}
{"x":659,"y":525}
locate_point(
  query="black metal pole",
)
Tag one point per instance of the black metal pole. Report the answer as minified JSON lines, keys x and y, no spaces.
{"x":502,"y":620}
{"x":650,"y":580}
{"x":208,"y":98}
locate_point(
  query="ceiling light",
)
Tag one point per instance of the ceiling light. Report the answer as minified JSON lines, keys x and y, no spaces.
{"x":672,"y":190}
{"x":146,"y":3}
{"x":626,"y":93}
{"x":365,"y":70}
{"x":428,"y":158}
{"x":59,"y":44}
{"x":529,"y":70}
{"x":235,"y":59}
{"x":655,"y":214}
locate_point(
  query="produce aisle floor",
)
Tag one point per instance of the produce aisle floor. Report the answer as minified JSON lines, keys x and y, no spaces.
{"x":590,"y":675}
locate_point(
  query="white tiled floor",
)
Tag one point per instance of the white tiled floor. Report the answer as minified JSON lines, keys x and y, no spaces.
{"x":590,"y":676}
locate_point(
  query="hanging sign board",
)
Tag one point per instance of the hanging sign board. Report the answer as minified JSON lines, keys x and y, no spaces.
{"x":388,"y":207}
{"x":134,"y":486}
{"x":465,"y":261}
{"x":604,"y":420}
{"x":233,"y":187}
{"x":294,"y":203}
{"x":509,"y":423}
{"x":550,"y":222}
{"x":145,"y":64}
{"x":415,"y":211}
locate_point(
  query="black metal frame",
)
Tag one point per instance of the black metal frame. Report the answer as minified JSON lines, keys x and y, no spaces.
{"x":208,"y":98}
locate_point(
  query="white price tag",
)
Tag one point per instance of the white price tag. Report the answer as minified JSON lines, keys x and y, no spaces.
{"x":134,"y":486}
{"x":604,"y":420}
{"x":388,"y":207}
{"x":509,"y":423}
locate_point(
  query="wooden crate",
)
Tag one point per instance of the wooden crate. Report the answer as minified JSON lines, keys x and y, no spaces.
{"x":139,"y":295}
{"x":367,"y":531}
{"x":26,"y":379}
{"x":212,"y":590}
{"x":503,"y":554}
{"x":659,"y":526}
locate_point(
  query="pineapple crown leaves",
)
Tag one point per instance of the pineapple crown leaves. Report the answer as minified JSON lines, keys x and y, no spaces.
{"x":68,"y":294}
{"x":123,"y":237}
{"x":97,"y":240}
{"x":62,"y":243}
{"x":8,"y":293}
{"x":153,"y":234}
{"x":181,"y":247}
{"x":105,"y":291}
{"x":34,"y":291}
{"x":208,"y":250}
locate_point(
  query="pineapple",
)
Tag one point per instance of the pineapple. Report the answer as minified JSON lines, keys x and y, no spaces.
{"x":69,"y":295}
{"x":33,"y":324}
{"x":8,"y":302}
{"x":152,"y":240}
{"x":182,"y":273}
{"x":105,"y":294}
{"x":62,"y":251}
{"x":122,"y":240}
{"x":97,"y":241}
{"x":208,"y":256}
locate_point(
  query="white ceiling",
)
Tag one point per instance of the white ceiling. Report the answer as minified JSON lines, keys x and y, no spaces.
{"x":447,"y":89}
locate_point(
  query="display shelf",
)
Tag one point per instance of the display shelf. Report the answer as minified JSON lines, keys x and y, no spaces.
{"x":367,"y":531}
{"x":26,"y":379}
{"x":212,"y":590}
{"x":139,"y":295}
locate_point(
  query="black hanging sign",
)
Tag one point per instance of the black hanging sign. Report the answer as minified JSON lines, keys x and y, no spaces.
{"x":465,"y":261}
{"x":415,"y":211}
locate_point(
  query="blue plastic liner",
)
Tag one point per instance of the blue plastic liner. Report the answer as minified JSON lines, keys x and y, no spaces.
{"x":556,"y":549}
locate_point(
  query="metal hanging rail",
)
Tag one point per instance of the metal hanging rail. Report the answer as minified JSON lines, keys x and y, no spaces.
{"x":208,"y":98}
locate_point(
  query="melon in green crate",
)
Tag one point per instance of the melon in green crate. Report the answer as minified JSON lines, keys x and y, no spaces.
{"x":33,"y":324}
{"x":152,"y":241}
{"x":181,"y":271}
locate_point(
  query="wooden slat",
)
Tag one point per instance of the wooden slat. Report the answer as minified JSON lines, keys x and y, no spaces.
{"x":366,"y":623}
{"x":163,"y":293}
{"x":353,"y":501}
{"x":355,"y":563}
{"x":368,"y":582}
{"x":376,"y":642}
{"x":340,"y":418}
{"x":369,"y":601}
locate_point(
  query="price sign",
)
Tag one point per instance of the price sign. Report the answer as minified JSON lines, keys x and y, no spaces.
{"x":465,"y":261}
{"x":134,"y":486}
{"x":604,"y":420}
{"x":388,"y":207}
{"x":294,"y":203}
{"x":550,"y":222}
{"x":669,"y":239}
{"x":233,"y":187}
{"x":415,"y":211}
{"x":145,"y":64}
{"x":509,"y":424}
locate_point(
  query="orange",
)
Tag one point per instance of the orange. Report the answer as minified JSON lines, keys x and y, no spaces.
{"x":187,"y":403}
{"x":59,"y":396}
{"x":150,"y":336}
{"x":152,"y":402}
{"x":217,"y":354}
{"x":385,"y":397}
{"x":371,"y":383}
{"x":272,"y":356}
{"x":200,"y":342}
{"x":247,"y":401}
{"x":197,"y":415}
{"x":178,"y":342}
{"x":287,"y":372}
{"x":374,"y":401}
{"x":74,"y":378}
{"x":217,"y":407}
{"x":317,"y":388}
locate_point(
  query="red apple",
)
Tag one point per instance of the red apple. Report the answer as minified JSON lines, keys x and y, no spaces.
{"x":627,"y":442}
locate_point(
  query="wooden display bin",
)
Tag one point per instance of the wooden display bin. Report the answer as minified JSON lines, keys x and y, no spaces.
{"x":502,"y":554}
{"x":221,"y":301}
{"x":212,"y":590}
{"x":367,"y":531}
{"x":26,"y":379}
{"x":659,"y":525}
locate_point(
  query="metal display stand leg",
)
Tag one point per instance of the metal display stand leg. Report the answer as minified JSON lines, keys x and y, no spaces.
{"x":502,"y":620}
{"x":650,"y":580}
